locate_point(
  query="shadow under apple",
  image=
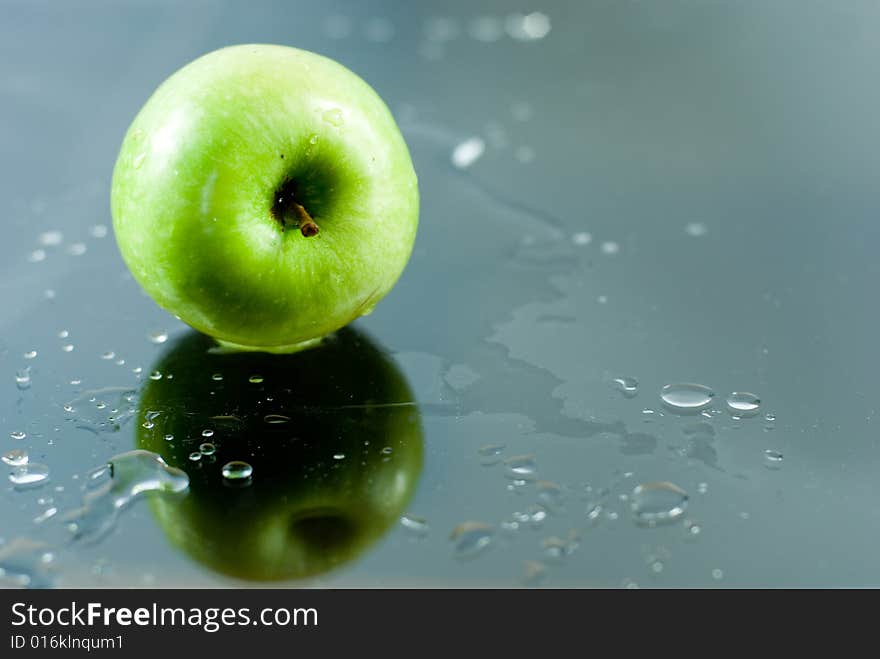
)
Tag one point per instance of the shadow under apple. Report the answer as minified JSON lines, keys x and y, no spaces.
{"x":333,"y":436}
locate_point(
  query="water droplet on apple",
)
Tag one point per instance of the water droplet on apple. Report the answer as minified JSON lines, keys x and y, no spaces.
{"x":313,"y":139}
{"x":195,"y":456}
{"x":108,"y":355}
{"x":333,"y":117}
{"x":138,"y":160}
{"x":155,"y":375}
{"x":207,"y":432}
{"x":255,"y":379}
{"x":217,"y":377}
{"x":37,"y":255}
{"x":276,"y":419}
{"x":237,"y":471}
{"x":207,"y":448}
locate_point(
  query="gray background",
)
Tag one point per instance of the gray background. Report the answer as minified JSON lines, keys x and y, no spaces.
{"x":628,"y":120}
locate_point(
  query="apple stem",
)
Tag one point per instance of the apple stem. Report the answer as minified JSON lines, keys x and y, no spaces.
{"x":307,"y":226}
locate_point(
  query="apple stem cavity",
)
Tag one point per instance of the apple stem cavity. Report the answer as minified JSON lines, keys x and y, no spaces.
{"x":307,"y":225}
{"x":290,"y":213}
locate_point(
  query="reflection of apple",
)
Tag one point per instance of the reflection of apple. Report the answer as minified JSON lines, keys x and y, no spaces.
{"x":265,"y":195}
{"x":333,"y":437}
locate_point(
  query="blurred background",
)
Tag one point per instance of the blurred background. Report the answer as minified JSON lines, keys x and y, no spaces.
{"x":617,"y":196}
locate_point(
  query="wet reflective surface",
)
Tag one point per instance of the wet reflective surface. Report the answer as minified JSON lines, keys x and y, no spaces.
{"x":617,"y":197}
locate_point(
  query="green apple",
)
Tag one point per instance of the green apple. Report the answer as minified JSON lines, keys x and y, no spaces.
{"x":265,"y":196}
{"x":333,"y":437}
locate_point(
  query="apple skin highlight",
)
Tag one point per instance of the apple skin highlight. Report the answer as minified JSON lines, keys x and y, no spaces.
{"x":196,"y":187}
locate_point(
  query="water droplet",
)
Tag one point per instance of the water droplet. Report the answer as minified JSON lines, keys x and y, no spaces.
{"x":527,"y":27}
{"x":658,"y":503}
{"x":16,"y":457}
{"x":313,"y":140}
{"x":138,"y":160}
{"x":207,"y":448}
{"x":581,"y":238}
{"x":702,"y":488}
{"x":695,"y":229}
{"x":276,"y":419}
{"x":195,"y":456}
{"x":30,"y":354}
{"x":686,"y":397}
{"x":98,"y":231}
{"x":255,"y":379}
{"x":717,"y":574}
{"x":148,"y":425}
{"x":468,"y":152}
{"x":333,"y":117}
{"x":169,"y":437}
{"x":387,"y":450}
{"x":207,"y":432}
{"x":550,"y":495}
{"x":471,"y":538}
{"x":46,"y":514}
{"x":628,"y":386}
{"x":692,"y":528}
{"x":155,"y":375}
{"x":772,"y":459}
{"x":37,"y":255}
{"x":490,"y":454}
{"x":51,"y":238}
{"x":159,"y":336}
{"x":554,"y":548}
{"x":32,"y":474}
{"x":76,"y":249}
{"x":23,"y":378}
{"x":108,"y":355}
{"x":119,"y":482}
{"x":237,"y":471}
{"x":18,"y":434}
{"x":769,"y":418}
{"x":743,"y":403}
{"x":610,"y":247}
{"x":67,"y":347}
{"x":521,"y":467}
{"x":416,"y":526}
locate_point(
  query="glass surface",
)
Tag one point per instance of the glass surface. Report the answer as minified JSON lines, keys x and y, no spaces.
{"x":647,"y":194}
